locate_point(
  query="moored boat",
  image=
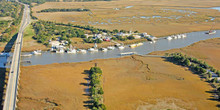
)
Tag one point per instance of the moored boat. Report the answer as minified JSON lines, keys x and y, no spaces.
{"x":104,"y":49}
{"x":127,"y":53}
{"x":82,"y":51}
{"x":111,"y":47}
{"x":133,"y":45}
{"x":121,"y":47}
{"x":71,"y":51}
{"x":169,"y":38}
{"x":139,"y":44}
{"x":93,"y":50}
{"x":60,"y":51}
{"x":37,"y":52}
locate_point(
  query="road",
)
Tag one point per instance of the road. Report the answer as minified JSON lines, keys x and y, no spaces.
{"x":12,"y":86}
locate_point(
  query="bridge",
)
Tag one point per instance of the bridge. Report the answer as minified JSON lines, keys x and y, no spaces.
{"x":12,"y":86}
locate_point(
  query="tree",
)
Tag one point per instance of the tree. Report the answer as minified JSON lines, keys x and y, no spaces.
{"x":218,"y":73}
{"x":131,"y":37}
{"x":187,"y":62}
{"x":100,"y":91}
{"x":209,"y":75}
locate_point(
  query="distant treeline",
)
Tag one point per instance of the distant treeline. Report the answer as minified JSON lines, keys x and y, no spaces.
{"x":37,"y":1}
{"x":8,"y":9}
{"x":86,"y":0}
{"x":62,"y":10}
{"x":11,"y":30}
{"x":43,"y":1}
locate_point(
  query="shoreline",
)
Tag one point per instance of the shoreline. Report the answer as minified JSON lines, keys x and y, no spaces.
{"x":157,"y":53}
{"x":126,"y":43}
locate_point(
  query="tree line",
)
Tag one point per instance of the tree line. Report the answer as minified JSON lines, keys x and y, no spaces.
{"x":96,"y":90}
{"x":46,"y":30}
{"x":199,"y":67}
{"x":37,"y":1}
{"x":8,"y":9}
{"x":11,"y":30}
{"x":88,"y":0}
{"x":62,"y":10}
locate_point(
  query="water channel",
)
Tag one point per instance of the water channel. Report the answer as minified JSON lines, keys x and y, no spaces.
{"x":161,"y":45}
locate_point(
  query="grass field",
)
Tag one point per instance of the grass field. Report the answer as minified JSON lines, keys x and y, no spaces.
{"x":129,"y":83}
{"x":156,"y":17}
{"x":29,"y":44}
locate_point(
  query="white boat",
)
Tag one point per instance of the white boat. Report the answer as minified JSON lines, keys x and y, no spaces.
{"x":139,"y":44}
{"x":133,"y":45}
{"x":151,"y":42}
{"x":174,"y":36}
{"x":82,"y":51}
{"x":211,"y":32}
{"x":121,"y":47}
{"x":179,"y":36}
{"x":26,"y":55}
{"x":169,"y":38}
{"x":60,"y":51}
{"x":93,"y":50}
{"x":104,"y":49}
{"x":183,"y":35}
{"x":37,"y":52}
{"x":72,"y":51}
{"x":111,"y":47}
{"x":127,"y":53}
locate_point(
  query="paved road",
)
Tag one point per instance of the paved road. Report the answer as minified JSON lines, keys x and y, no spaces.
{"x":11,"y":92}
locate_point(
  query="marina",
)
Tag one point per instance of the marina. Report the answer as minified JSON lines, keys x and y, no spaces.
{"x":81,"y":55}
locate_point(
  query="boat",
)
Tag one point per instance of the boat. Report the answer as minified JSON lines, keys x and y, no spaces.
{"x":211,"y":32}
{"x":139,"y":44}
{"x":179,"y":36}
{"x":127,"y":53}
{"x":169,"y":38}
{"x":183,"y":35}
{"x":26,"y":55}
{"x":111,"y":47}
{"x":60,"y":51}
{"x":71,"y":51}
{"x":121,"y":47}
{"x":174,"y":36}
{"x":82,"y":51}
{"x":104,"y":49}
{"x":133,"y":45}
{"x":37,"y":52}
{"x":93,"y":50}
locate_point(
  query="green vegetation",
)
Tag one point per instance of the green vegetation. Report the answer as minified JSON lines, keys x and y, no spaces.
{"x":45,"y":31}
{"x":96,"y":89}
{"x":37,"y":1}
{"x":43,"y":1}
{"x":86,"y":0}
{"x":197,"y":66}
{"x":10,"y":9}
{"x":63,"y":10}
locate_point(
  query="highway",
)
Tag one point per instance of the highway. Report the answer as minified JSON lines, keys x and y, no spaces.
{"x":12,"y":86}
